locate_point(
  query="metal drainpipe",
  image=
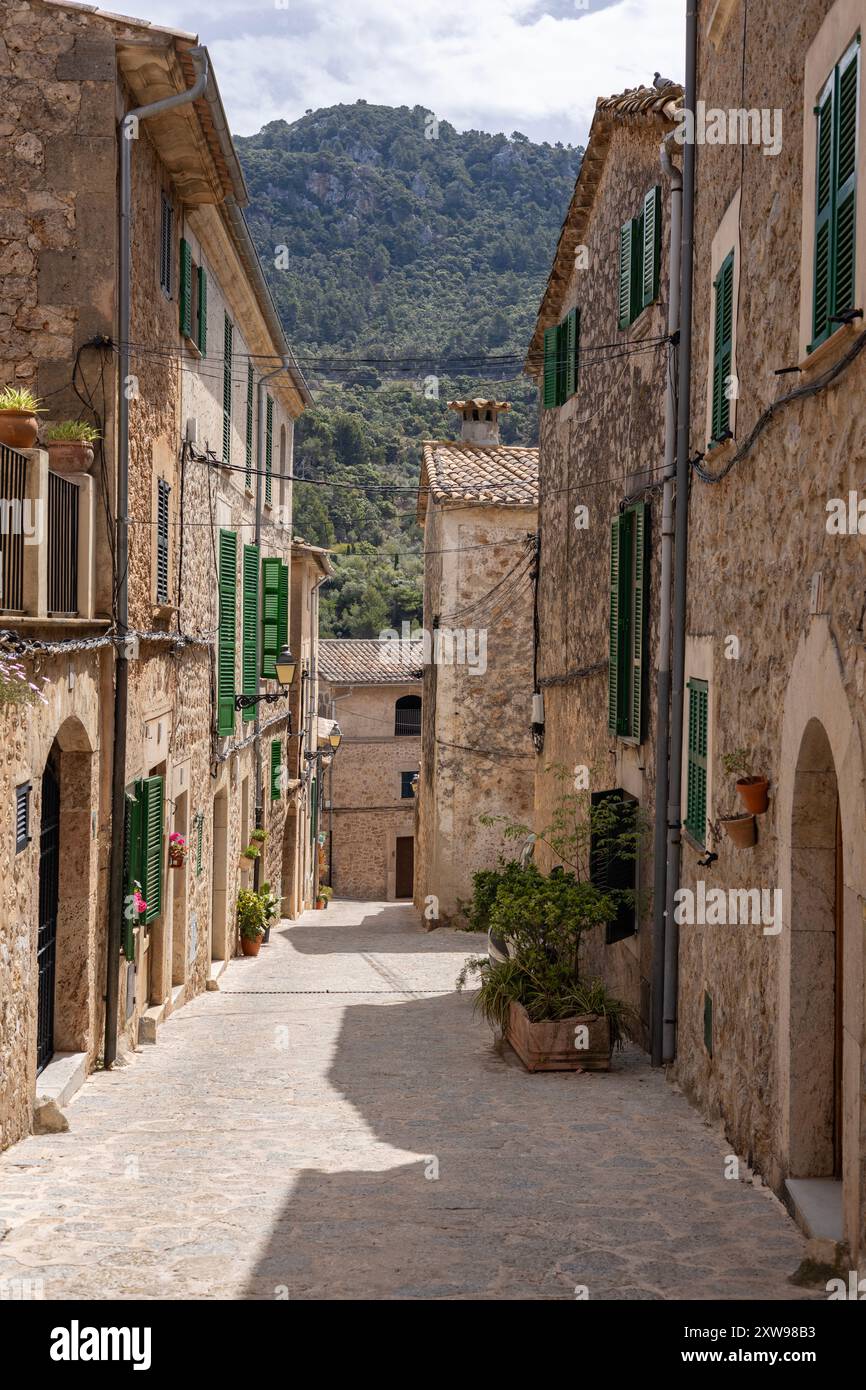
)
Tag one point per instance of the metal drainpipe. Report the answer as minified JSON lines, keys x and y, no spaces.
{"x":258,"y":813}
{"x":681,"y":530}
{"x":128,"y":133}
{"x":663,"y":673}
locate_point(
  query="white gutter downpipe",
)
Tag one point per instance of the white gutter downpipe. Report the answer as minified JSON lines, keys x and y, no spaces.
{"x":128,"y":133}
{"x":681,"y":530}
{"x":663,"y":670}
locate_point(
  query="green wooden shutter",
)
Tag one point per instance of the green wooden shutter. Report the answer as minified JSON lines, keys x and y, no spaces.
{"x":185,"y":295}
{"x":613,"y":662}
{"x":152,"y":806}
{"x":201,"y":326}
{"x":639,"y":577}
{"x":626,"y":257}
{"x":696,"y":771}
{"x":821,"y":296}
{"x":845,"y":196}
{"x":228,"y":337}
{"x":722,"y":346}
{"x":228,"y":578}
{"x":572,"y":351}
{"x":550,"y":359}
{"x":131,"y":863}
{"x":248,"y":480}
{"x":276,"y":764}
{"x":270,"y":616}
{"x":163,"y":492}
{"x":651,"y":247}
{"x":199,"y":835}
{"x":249,"y":655}
{"x":269,"y":445}
{"x":283,"y":609}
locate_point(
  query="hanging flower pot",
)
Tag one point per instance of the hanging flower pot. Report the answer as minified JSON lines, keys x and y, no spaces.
{"x":740,"y":830}
{"x":753,"y":794}
{"x":178,"y":849}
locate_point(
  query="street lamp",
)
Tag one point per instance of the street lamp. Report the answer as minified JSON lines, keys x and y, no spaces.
{"x":285,"y":665}
{"x":335,"y":737}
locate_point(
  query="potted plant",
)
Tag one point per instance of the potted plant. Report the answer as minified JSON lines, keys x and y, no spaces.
{"x":138,"y":903}
{"x":251,"y":921}
{"x":535,"y":993}
{"x":258,"y":837}
{"x":751,"y":790}
{"x":19,"y":428}
{"x":178,"y":849}
{"x":70,"y":446}
{"x":271,"y":905}
{"x":324,"y":896}
{"x":252,"y":853}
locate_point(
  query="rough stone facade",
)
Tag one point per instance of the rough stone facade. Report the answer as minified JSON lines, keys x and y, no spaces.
{"x":764,"y":569}
{"x":67,"y":75}
{"x":603,"y":447}
{"x":476,"y":749}
{"x":368,"y":812}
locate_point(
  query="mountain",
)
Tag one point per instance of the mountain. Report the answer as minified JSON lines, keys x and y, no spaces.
{"x":404,"y":258}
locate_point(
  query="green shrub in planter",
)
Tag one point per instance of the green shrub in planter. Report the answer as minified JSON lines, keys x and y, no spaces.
{"x":251,"y":914}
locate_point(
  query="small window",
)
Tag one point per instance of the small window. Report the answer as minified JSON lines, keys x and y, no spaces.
{"x":613,"y":861}
{"x":696,"y":770}
{"x":627,"y":635}
{"x":248,"y":460}
{"x":228,"y":339}
{"x":22,"y":816}
{"x":269,"y":448}
{"x":836,"y":196}
{"x":640,"y":259}
{"x":163,"y":492}
{"x":723,"y":346}
{"x":276,"y":769}
{"x":407,"y":716}
{"x":561,"y":360}
{"x":407,"y":784}
{"x":165,"y":240}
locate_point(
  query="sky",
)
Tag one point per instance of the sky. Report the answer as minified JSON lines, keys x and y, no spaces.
{"x":497,"y":65}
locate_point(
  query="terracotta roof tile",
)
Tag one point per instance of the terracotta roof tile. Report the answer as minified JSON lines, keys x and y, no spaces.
{"x":496,"y":475}
{"x":369,"y":661}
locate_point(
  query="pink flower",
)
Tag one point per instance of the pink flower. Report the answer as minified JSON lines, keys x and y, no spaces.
{"x":138,"y":900}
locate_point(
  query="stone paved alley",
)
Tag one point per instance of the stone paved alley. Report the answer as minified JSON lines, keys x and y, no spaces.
{"x":277,"y":1139}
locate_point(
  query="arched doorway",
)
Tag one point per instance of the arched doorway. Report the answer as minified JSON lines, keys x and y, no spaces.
{"x":817,"y":936}
{"x":49,"y":907}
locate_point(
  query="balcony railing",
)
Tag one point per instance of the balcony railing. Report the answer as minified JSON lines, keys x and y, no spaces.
{"x":13,"y":484}
{"x":62,"y":546}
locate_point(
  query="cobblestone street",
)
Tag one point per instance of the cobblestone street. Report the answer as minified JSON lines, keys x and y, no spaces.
{"x":282,"y":1139}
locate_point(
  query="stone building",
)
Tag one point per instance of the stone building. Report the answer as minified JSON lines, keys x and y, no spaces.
{"x":372,"y":688}
{"x":770,"y":1019}
{"x":477,"y":504}
{"x":175,"y":398}
{"x":600,"y":462}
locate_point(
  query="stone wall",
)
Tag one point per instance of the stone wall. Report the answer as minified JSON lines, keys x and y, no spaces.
{"x":605,"y":445}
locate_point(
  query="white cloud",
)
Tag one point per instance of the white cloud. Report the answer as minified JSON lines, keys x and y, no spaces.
{"x":530,"y":65}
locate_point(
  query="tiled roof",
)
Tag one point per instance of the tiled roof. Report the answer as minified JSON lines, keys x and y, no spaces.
{"x":495,"y":475}
{"x":639,"y":104}
{"x":369,"y":661}
{"x":479,"y":403}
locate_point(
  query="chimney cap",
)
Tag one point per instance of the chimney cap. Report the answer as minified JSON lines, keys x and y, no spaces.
{"x":477,"y":403}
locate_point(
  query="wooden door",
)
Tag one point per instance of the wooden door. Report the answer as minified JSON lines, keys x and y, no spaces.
{"x":404,"y":885}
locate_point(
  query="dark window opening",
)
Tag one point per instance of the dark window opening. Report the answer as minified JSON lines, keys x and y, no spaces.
{"x":22,"y":817}
{"x":407,"y":716}
{"x":407,"y":784}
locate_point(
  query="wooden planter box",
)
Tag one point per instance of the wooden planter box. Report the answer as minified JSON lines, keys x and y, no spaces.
{"x":550,"y":1046}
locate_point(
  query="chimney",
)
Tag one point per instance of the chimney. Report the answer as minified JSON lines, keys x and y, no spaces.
{"x":480,"y":420}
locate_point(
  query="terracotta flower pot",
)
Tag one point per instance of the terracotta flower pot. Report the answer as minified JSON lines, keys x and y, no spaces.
{"x":320,"y":903}
{"x":740,"y":830}
{"x":19,"y":429}
{"x":67,"y":456}
{"x":753,"y":794}
{"x":550,"y":1046}
{"x":250,"y":946}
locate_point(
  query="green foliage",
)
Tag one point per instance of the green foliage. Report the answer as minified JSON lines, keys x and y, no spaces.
{"x":736,"y":762}
{"x":326,"y":893}
{"x":72,"y":431}
{"x":270,"y":904}
{"x":399,"y":246}
{"x":250,"y":914}
{"x":252,"y":851}
{"x":485,"y":885}
{"x":19,"y":398}
{"x":546,"y":998}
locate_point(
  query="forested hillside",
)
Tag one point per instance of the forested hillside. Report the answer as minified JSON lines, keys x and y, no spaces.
{"x":401,"y":265}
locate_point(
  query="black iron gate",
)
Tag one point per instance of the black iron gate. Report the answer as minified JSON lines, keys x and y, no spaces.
{"x":46,"y":950}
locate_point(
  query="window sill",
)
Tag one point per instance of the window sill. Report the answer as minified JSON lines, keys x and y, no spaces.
{"x":689,"y":839}
{"x":192,"y":348}
{"x":719,"y":453}
{"x":832,"y":348}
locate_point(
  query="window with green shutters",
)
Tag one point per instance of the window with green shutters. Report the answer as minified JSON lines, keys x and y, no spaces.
{"x":723,"y":341}
{"x":163,"y":492}
{"x":165,"y":238}
{"x":185,"y":294}
{"x":283,"y":609}
{"x":270,"y":616}
{"x":250,"y":627}
{"x":144,"y":812}
{"x":836,"y":195}
{"x":201,"y":311}
{"x":248,"y":479}
{"x":276,"y":765}
{"x":199,"y":836}
{"x":228,"y":336}
{"x":131,"y":864}
{"x":269,"y":446}
{"x":640,"y":259}
{"x":627,"y":627}
{"x":228,"y":579}
{"x":561,"y":360}
{"x":696,"y":766}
